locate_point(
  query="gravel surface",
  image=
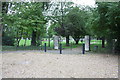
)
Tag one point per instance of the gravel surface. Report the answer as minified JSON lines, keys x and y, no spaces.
{"x":38,"y":64}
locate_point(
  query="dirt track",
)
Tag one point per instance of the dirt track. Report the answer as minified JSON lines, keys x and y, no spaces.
{"x":36,"y":64}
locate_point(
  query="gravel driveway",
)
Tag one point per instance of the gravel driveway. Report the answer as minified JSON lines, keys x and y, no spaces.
{"x":36,"y":64}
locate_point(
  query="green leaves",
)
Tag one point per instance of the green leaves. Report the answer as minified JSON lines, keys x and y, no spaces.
{"x":77,"y":22}
{"x":24,"y":18}
{"x":105,"y":22}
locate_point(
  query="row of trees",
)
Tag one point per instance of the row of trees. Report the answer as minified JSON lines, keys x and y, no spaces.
{"x":28,"y":20}
{"x":101,"y":21}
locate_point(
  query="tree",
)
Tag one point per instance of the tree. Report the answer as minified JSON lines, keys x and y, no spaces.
{"x":26,"y":18}
{"x":73,"y":24}
{"x":77,"y":28}
{"x":113,"y":22}
{"x":105,"y":23}
{"x":51,"y":32}
{"x":7,"y":38}
{"x":94,"y":27}
{"x":58,"y":13}
{"x":63,"y":31}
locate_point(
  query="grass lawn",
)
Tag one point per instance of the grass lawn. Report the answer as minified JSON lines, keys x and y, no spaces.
{"x":72,"y":45}
{"x":99,"y":49}
{"x":28,"y":47}
{"x":28,"y":42}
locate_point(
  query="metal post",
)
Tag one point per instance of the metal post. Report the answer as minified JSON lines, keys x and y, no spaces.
{"x":60,"y":48}
{"x":83,"y":49}
{"x":45,"y":47}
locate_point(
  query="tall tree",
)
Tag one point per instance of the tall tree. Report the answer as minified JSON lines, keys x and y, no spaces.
{"x":105,"y":23}
{"x":27,"y":17}
{"x":73,"y":25}
{"x":7,"y":38}
{"x":58,"y":13}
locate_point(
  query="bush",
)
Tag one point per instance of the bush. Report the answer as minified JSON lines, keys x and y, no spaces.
{"x":8,"y":40}
{"x":117,"y":46}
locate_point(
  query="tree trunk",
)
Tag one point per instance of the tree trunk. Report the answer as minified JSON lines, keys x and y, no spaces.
{"x":103,"y":42}
{"x":49,"y":41}
{"x":117,"y":46}
{"x":18,"y":42}
{"x":109,"y":44}
{"x":25,"y":42}
{"x":33,"y":41}
{"x":67,"y":40}
{"x":76,"y":41}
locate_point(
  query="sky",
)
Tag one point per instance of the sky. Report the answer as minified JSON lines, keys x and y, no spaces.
{"x":85,"y":2}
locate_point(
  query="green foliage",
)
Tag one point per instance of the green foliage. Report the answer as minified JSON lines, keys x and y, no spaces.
{"x":73,"y":24}
{"x":105,"y":22}
{"x":51,"y":31}
{"x":76,"y":22}
{"x":8,"y":40}
{"x":24,"y":19}
{"x":105,"y":19}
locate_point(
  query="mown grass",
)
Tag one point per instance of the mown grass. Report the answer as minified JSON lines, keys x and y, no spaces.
{"x":72,"y":45}
{"x":28,"y":42}
{"x":97,"y":50}
{"x":41,"y":47}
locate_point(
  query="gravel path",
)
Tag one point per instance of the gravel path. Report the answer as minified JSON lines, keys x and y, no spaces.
{"x":38,"y":64}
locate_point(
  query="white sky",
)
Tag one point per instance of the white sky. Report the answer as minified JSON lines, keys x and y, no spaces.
{"x":85,"y":2}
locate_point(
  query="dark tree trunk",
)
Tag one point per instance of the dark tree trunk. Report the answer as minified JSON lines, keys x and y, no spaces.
{"x":5,"y":7}
{"x":67,"y":40}
{"x":25,"y":42}
{"x":103,"y":42}
{"x":49,"y":41}
{"x":33,"y":41}
{"x":76,"y":41}
{"x":109,"y":44}
{"x":18,"y":42}
{"x":17,"y":39}
{"x":117,"y":46}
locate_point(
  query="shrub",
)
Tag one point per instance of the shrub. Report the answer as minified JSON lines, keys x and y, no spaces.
{"x":8,"y":40}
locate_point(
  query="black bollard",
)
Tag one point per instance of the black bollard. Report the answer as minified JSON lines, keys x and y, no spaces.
{"x":45,"y":47}
{"x":60,"y":48}
{"x":83,"y":49}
